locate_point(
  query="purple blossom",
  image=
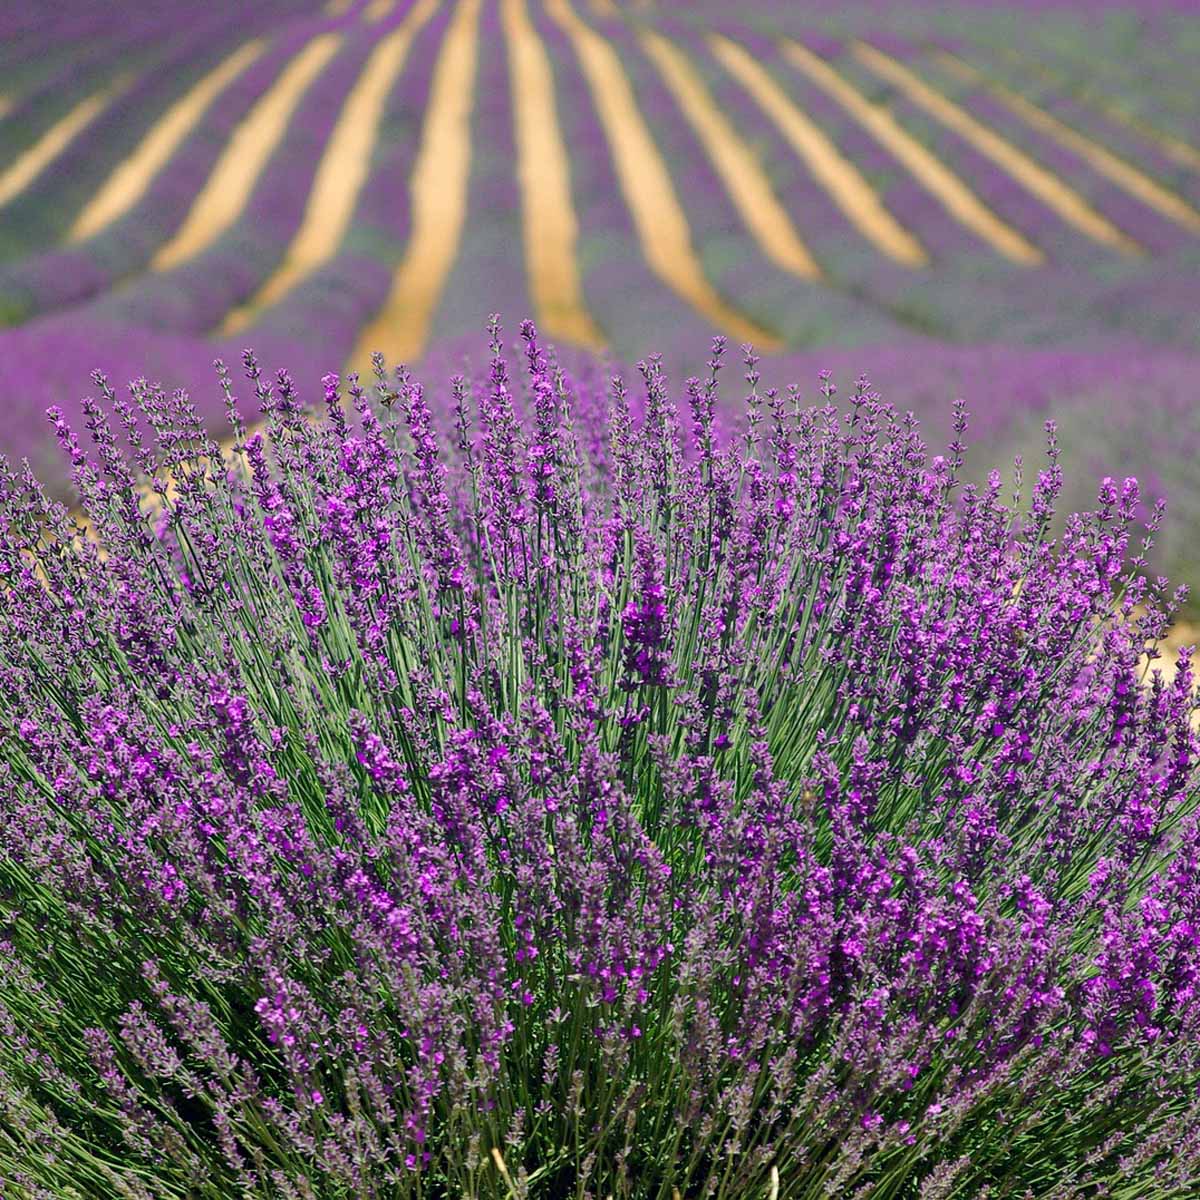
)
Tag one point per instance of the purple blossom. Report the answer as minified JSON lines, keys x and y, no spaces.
{"x":540,"y":774}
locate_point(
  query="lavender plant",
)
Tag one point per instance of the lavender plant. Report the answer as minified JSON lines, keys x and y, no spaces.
{"x":554,"y":791}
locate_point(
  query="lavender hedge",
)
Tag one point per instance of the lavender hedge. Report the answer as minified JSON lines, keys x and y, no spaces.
{"x":513,"y":795}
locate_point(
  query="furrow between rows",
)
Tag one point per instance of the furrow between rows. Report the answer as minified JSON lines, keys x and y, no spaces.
{"x":232,"y":181}
{"x":664,"y":234}
{"x":28,"y":166}
{"x":400,"y":330}
{"x":1070,"y":206}
{"x":549,"y":222}
{"x":128,"y":183}
{"x":342,"y":172}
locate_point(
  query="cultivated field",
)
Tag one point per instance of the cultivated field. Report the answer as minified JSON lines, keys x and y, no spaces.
{"x":323,"y":182}
{"x":626,"y":753}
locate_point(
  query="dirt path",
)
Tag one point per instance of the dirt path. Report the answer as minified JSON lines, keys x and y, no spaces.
{"x":929,"y":171}
{"x":1031,"y":175}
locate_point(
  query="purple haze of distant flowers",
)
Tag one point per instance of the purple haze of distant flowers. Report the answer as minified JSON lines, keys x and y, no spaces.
{"x":24,"y":26}
{"x":68,"y":346}
{"x":546,"y":782}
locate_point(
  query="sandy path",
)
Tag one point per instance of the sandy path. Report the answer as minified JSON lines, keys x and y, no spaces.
{"x":658,"y":216}
{"x":29,"y":165}
{"x":550,"y":225}
{"x":128,"y":183}
{"x":228,"y":188}
{"x":738,"y":166}
{"x":840,"y":177}
{"x":1031,"y":175}
{"x":1103,"y":161}
{"x":929,"y":171}
{"x":439,"y":201}
{"x":342,"y":171}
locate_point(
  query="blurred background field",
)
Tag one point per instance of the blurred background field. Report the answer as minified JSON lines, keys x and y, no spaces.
{"x":999,"y":201}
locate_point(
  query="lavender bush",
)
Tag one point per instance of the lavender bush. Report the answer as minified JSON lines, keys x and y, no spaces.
{"x":518,"y":796}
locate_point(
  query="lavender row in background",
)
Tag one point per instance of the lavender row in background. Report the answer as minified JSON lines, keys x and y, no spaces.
{"x":1153,"y":231}
{"x":490,"y":267}
{"x":325,"y":313}
{"x":803,"y":312}
{"x":38,"y":219}
{"x":1083,"y":106}
{"x":70,"y":274}
{"x":635,"y":310}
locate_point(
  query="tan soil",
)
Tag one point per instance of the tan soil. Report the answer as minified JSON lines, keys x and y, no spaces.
{"x":439,"y":201}
{"x":658,"y":216}
{"x":342,"y":171}
{"x":551,"y":228}
{"x":1123,"y":174}
{"x":228,"y":188}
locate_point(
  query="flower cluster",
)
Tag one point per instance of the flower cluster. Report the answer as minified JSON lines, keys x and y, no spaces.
{"x":548,"y":789}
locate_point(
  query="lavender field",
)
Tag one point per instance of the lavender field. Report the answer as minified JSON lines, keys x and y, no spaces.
{"x":595,"y":600}
{"x":322,"y":182}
